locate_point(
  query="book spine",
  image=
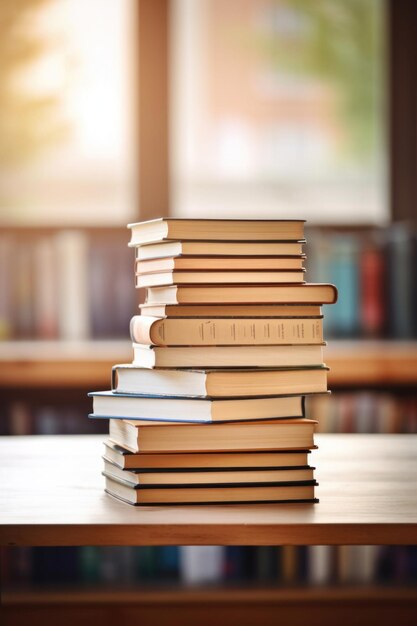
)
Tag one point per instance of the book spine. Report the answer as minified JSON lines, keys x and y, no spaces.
{"x":345,"y":274}
{"x":201,"y":564}
{"x":46,"y":290}
{"x":229,"y":332}
{"x":6,"y":287}
{"x":72,"y":263}
{"x":23,"y":290}
{"x":372,"y":292}
{"x":400,"y":288}
{"x":141,"y":329}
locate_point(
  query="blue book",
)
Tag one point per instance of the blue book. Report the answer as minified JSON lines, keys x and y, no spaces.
{"x":345,"y":275}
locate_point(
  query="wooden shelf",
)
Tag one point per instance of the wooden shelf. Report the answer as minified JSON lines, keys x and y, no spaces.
{"x":56,"y":364}
{"x":371,"y":363}
{"x":361,"y":606}
{"x":367,"y":492}
{"x":194,"y":595}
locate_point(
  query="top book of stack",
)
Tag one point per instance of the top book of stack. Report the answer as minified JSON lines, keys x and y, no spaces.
{"x":166,"y":229}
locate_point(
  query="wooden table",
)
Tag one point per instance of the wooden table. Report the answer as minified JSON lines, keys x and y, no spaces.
{"x":51,"y":493}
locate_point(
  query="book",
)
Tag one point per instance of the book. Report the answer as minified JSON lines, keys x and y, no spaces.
{"x":277,"y":435}
{"x":147,"y":356}
{"x":225,"y":331}
{"x":208,"y":476}
{"x":125,"y":459}
{"x":230,"y":310}
{"x":201,"y":564}
{"x":372,"y":280}
{"x":218,"y":249}
{"x":204,"y":264}
{"x":223,"y":277}
{"x":205,"y":494}
{"x":345,"y":274}
{"x":23,"y":291}
{"x":226,"y":383}
{"x":165,"y":409}
{"x":310,"y":293}
{"x":45,"y":289}
{"x":73,"y":290}
{"x":400,"y":275}
{"x":215,"y":230}
{"x":7,"y":286}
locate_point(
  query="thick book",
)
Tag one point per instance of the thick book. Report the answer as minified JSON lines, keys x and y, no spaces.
{"x":215,"y":230}
{"x":215,"y":263}
{"x":220,"y":278}
{"x":124,"y":459}
{"x":231,"y":310}
{"x":309,"y":293}
{"x":225,"y":331}
{"x":208,"y":476}
{"x":218,"y":249}
{"x":277,"y":435}
{"x":222,"y":383}
{"x":206,"y":494}
{"x":227,"y":356}
{"x":200,"y":410}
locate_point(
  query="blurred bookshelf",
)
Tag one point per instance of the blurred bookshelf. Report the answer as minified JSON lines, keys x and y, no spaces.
{"x":369,"y":577}
{"x":67,"y":298}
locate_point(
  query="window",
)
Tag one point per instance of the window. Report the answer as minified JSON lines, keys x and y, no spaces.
{"x":278,"y":109}
{"x":67,"y":109}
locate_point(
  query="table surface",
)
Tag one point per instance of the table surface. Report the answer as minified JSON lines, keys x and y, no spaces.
{"x":51,"y":493}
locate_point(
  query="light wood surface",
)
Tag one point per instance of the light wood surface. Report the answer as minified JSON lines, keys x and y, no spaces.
{"x":52,"y":494}
{"x":58,"y":364}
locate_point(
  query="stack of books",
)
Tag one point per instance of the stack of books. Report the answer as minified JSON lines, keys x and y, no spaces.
{"x":228,"y":344}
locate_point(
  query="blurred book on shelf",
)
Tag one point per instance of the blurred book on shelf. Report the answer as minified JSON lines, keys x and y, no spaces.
{"x":76,"y":283}
{"x":364,"y":411}
{"x":285,"y":566}
{"x":70,"y":284}
{"x":375,"y":272}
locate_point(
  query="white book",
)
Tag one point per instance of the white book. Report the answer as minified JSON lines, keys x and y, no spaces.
{"x":46,"y":289}
{"x":320,"y":560}
{"x":201,"y":564}
{"x":73,"y":302}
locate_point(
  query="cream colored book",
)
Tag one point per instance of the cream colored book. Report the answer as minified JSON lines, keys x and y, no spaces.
{"x":226,"y":383}
{"x":280,"y":435}
{"x":218,"y":249}
{"x":203,"y":264}
{"x":194,"y":477}
{"x":227,"y":356}
{"x":225,"y":331}
{"x":221,"y":278}
{"x":230,"y":310}
{"x":237,"y":494}
{"x":309,"y":293}
{"x":205,"y":460}
{"x":216,"y":230}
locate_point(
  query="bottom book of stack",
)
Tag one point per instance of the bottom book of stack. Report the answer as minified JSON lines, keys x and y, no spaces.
{"x":210,"y":464}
